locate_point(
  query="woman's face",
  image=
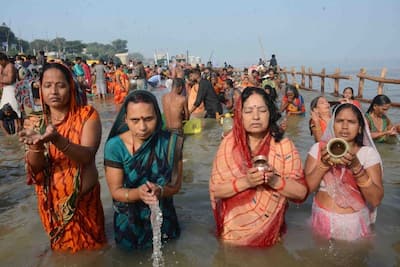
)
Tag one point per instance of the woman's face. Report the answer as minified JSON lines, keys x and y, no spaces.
{"x":141,"y":120}
{"x":55,"y":89}
{"x":380,"y":110}
{"x":255,"y":115}
{"x":322,"y":105}
{"x":347,"y":94}
{"x":346,"y":125}
{"x":290,"y":96}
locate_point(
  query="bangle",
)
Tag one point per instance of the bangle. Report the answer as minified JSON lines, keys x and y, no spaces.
{"x":127,"y":195}
{"x":234,"y":186}
{"x":66,"y":147}
{"x":282,"y":185}
{"x":35,"y":150}
{"x":366,"y":183}
{"x":324,"y":167}
{"x":358,"y":172}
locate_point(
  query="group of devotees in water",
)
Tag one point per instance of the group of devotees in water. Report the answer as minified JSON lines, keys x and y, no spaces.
{"x":256,"y":171}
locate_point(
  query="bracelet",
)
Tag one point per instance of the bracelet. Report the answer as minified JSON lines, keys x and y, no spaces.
{"x":66,"y":147}
{"x":360,"y":174}
{"x":356,"y":172}
{"x":35,"y":150}
{"x":366,"y":183}
{"x":127,"y":195}
{"x":234,"y":186}
{"x":282,"y":185}
{"x":324,"y":167}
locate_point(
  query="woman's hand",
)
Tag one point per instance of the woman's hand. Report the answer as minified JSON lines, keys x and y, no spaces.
{"x":29,"y":137}
{"x":149,"y":193}
{"x":325,"y":157}
{"x":315,"y":117}
{"x":255,"y":177}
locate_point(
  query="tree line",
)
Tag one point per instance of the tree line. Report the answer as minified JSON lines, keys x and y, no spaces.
{"x":69,"y":49}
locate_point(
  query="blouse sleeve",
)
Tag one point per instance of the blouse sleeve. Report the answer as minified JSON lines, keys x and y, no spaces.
{"x":314,"y":151}
{"x":368,"y":156}
{"x":113,"y":154}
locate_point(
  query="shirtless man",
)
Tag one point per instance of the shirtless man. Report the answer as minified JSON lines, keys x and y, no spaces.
{"x":175,"y":107}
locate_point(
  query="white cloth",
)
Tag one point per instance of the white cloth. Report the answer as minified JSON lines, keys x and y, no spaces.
{"x":8,"y":96}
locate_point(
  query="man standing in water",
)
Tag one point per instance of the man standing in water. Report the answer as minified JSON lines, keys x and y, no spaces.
{"x":207,"y":95}
{"x":175,"y":107}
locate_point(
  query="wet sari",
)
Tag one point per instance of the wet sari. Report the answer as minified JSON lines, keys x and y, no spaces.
{"x":73,"y":221}
{"x":254,"y":217}
{"x":154,"y":161}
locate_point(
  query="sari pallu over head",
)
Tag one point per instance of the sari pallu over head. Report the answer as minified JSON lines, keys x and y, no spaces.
{"x":339,"y":180}
{"x":155,"y":160}
{"x":70,"y":221}
{"x":254,"y":217}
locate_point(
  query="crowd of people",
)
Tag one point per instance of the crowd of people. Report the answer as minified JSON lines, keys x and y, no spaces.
{"x":256,"y":169}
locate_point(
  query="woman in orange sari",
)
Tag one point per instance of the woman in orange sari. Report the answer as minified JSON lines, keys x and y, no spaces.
{"x":121,"y":86}
{"x":249,"y":201}
{"x":61,"y":164}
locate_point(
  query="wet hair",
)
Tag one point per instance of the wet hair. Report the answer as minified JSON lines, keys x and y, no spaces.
{"x":272,"y":92}
{"x":360,"y":136}
{"x":291,"y":88}
{"x":274,"y":114}
{"x":352,"y":91}
{"x":314,"y":102}
{"x":379,"y":100}
{"x":178,"y":82}
{"x":229,"y":82}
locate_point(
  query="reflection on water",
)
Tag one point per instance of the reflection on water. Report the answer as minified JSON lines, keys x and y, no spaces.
{"x":24,"y":242}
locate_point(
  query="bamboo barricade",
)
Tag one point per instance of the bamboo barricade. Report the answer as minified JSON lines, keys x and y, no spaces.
{"x":336,"y":76}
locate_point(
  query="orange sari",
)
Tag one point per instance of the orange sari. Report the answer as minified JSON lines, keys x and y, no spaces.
{"x":254,"y":217}
{"x":121,"y":88}
{"x":192,"y":94}
{"x":73,"y":221}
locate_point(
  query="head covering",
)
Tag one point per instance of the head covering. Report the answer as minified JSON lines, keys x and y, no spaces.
{"x":340,"y":184}
{"x":120,"y":125}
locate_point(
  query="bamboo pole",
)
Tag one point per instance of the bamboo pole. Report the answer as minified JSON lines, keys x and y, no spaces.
{"x":293,"y":75}
{"x":361,"y":82}
{"x":303,"y":77}
{"x":310,"y":85}
{"x":336,"y":89}
{"x":380,"y":84}
{"x":323,"y":80}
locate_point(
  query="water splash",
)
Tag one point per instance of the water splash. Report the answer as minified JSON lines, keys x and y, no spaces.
{"x":156,"y":220}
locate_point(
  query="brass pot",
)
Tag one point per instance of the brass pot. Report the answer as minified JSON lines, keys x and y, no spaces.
{"x":260,"y":162}
{"x":337,"y":148}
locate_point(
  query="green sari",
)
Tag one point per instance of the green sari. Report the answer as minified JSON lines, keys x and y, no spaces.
{"x":155,"y":161}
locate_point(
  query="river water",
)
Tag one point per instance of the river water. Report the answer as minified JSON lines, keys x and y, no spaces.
{"x":23,"y":241}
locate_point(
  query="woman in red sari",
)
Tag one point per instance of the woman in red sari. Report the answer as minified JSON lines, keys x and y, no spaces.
{"x":249,"y":202}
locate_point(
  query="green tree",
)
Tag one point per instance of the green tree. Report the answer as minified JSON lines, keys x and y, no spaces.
{"x":120,"y":46}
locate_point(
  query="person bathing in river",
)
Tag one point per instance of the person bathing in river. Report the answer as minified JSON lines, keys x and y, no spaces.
{"x":143,"y":167}
{"x":61,"y":164}
{"x":347,"y":188}
{"x":175,"y":107}
{"x":320,"y":116}
{"x":249,"y":202}
{"x":382,"y":129}
{"x":348,"y":97}
{"x":292,"y":102}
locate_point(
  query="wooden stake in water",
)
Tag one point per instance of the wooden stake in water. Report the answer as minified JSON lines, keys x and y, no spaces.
{"x":156,"y":220}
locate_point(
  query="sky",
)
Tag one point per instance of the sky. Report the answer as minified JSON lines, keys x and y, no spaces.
{"x":340,"y":33}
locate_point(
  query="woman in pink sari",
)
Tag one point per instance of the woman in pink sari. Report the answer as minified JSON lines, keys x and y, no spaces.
{"x":249,"y":201}
{"x":348,"y":188}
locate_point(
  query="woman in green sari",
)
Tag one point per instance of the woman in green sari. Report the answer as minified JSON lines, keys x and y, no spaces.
{"x":143,"y":165}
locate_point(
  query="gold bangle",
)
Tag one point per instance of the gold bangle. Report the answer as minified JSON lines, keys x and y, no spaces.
{"x":127,"y":195}
{"x":35,"y":150}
